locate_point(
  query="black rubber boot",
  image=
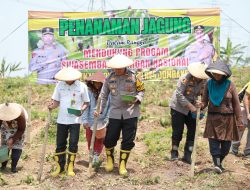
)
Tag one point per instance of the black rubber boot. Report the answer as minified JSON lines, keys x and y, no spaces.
{"x":221,"y":159}
{"x":4,"y":164}
{"x":188,"y":152}
{"x":174,"y":150}
{"x":15,"y":155}
{"x":217,"y":164}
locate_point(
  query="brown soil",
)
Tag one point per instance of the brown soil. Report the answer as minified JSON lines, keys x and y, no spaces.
{"x":145,"y":172}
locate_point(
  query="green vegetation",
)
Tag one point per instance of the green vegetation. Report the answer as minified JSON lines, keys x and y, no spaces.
{"x":232,"y":54}
{"x":158,"y":142}
{"x":7,"y":68}
{"x":2,"y":181}
{"x":29,"y":180}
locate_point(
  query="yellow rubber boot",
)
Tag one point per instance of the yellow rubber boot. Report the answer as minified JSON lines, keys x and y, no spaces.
{"x":110,"y":159}
{"x":60,"y":162}
{"x":124,"y":154}
{"x":71,"y":160}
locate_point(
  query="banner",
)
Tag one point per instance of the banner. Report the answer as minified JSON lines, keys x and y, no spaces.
{"x":161,"y":42}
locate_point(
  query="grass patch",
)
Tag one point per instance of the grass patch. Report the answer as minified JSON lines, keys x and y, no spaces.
{"x":158,"y":143}
{"x":165,"y":121}
{"x":163,"y":103}
{"x":38,"y":115}
{"x":151,"y":180}
{"x":29,"y":180}
{"x":206,"y":181}
{"x":2,"y":181}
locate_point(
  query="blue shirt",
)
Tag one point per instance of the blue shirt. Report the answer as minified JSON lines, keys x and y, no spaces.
{"x":88,"y":114}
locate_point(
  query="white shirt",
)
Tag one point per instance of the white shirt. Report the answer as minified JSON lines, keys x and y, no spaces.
{"x":70,"y":96}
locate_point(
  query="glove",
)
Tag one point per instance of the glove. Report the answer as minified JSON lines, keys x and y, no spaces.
{"x":194,"y":115}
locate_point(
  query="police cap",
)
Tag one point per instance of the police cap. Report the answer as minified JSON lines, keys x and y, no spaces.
{"x":199,"y":27}
{"x":47,"y":30}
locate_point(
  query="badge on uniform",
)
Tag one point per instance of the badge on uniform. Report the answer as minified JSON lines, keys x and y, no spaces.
{"x":139,"y":85}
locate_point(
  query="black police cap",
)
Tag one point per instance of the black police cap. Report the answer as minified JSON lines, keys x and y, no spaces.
{"x":47,"y":30}
{"x":200,"y":27}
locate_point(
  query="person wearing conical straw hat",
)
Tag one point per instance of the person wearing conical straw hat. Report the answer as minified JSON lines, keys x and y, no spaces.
{"x":127,"y":92}
{"x":13,"y":119}
{"x":224,"y":115}
{"x":95,"y":83}
{"x":183,"y":109}
{"x":71,"y":96}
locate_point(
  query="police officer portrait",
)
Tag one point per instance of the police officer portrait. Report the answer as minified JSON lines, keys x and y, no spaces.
{"x":201,"y":49}
{"x":46,"y":59}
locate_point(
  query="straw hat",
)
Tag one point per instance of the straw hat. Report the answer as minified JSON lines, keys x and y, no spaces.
{"x":68,"y":74}
{"x":216,"y":71}
{"x":119,"y":61}
{"x":10,"y":111}
{"x":197,"y":69}
{"x":97,"y":77}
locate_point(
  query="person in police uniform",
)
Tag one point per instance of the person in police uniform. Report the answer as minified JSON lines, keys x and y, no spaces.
{"x":200,"y":50}
{"x":183,"y":109}
{"x":123,"y":116}
{"x":46,"y":59}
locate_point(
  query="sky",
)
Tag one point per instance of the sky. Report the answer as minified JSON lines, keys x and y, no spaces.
{"x":14,"y":20}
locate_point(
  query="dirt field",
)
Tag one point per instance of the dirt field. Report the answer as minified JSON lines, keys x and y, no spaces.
{"x":149,"y":166}
{"x":146,"y":171}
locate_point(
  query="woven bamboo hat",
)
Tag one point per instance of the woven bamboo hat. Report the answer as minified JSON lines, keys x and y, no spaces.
{"x":68,"y":74}
{"x":97,"y":77}
{"x":119,"y":61}
{"x":197,"y":69}
{"x":10,"y":111}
